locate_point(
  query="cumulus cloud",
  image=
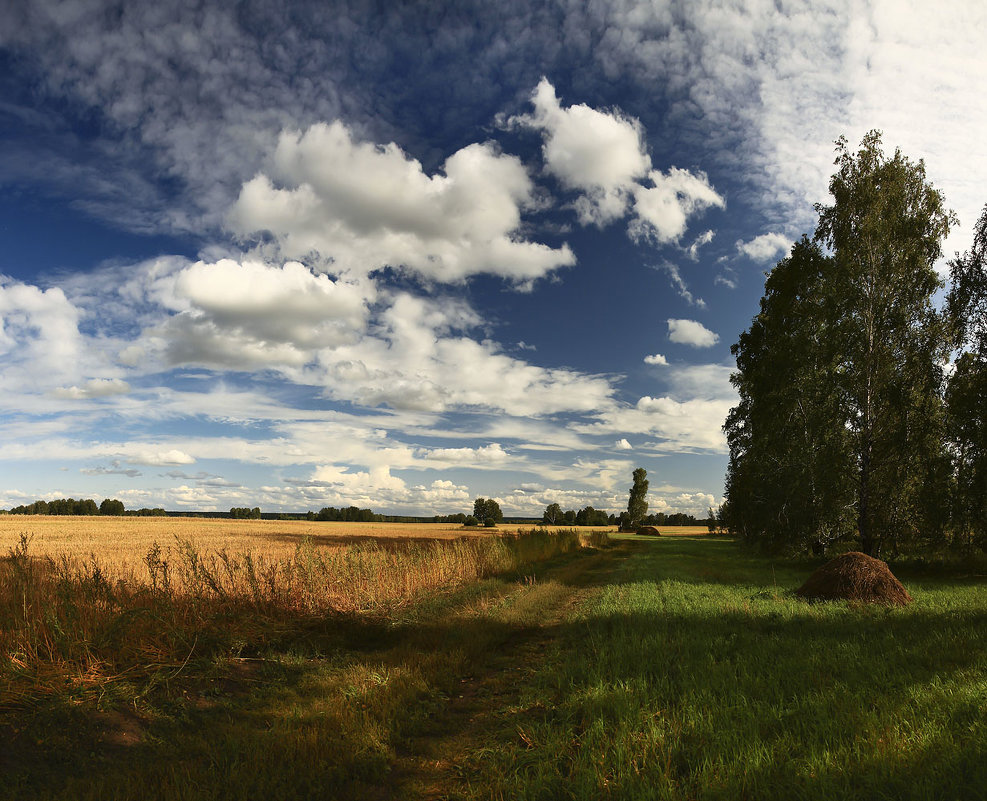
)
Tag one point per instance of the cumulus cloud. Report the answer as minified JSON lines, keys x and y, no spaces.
{"x":40,"y":341}
{"x":161,"y":458}
{"x":95,"y":388}
{"x":662,"y":210}
{"x":379,"y":488}
{"x":603,"y":156}
{"x":487,"y":455}
{"x":599,"y":154}
{"x":765,"y":247}
{"x":656,"y":359}
{"x":622,"y":445}
{"x":251,"y":314}
{"x":365,"y":207}
{"x":690,"y":332}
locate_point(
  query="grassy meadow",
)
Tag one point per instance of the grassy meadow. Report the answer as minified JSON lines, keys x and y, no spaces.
{"x":539,"y":666}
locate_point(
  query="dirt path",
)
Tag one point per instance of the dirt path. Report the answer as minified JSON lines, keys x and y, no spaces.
{"x":489,"y":701}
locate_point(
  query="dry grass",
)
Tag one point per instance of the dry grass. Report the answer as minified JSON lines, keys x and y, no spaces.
{"x":120,"y":543}
{"x":88,"y":606}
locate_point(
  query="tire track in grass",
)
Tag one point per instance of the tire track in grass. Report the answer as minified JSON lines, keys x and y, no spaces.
{"x":431,"y":765}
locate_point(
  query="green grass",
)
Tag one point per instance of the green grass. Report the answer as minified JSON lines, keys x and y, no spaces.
{"x":676,"y":668}
{"x":694,"y":675}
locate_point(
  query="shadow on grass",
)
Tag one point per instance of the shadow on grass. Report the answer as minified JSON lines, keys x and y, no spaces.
{"x":670,"y":692}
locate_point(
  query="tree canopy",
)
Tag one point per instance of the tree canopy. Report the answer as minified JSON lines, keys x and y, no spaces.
{"x":839,"y":429}
{"x":637,"y":500}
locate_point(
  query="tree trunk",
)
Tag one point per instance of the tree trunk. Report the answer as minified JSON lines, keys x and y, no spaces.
{"x":863,"y":505}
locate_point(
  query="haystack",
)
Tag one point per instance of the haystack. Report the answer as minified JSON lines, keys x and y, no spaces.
{"x":650,"y":531}
{"x":855,"y":576}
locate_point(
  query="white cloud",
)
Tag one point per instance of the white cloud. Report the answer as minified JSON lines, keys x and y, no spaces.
{"x":366,"y":207}
{"x":39,"y":336}
{"x":661,"y":211}
{"x":772,"y":86}
{"x":249,"y":314}
{"x":161,"y":458}
{"x":417,"y":361}
{"x":689,"y":426}
{"x":680,"y":285}
{"x":487,"y":455}
{"x":690,"y":332}
{"x":622,"y":445}
{"x":377,"y":488}
{"x":95,"y":388}
{"x":707,"y":381}
{"x":596,"y":153}
{"x":603,"y":156}
{"x":703,"y":239}
{"x":656,"y":359}
{"x":765,"y":247}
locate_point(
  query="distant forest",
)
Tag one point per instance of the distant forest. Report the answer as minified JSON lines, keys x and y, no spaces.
{"x":349,"y":514}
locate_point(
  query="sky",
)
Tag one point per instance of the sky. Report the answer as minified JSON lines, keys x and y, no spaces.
{"x":402,"y":255}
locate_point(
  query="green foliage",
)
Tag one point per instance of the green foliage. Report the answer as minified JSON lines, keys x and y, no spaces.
{"x":245,"y":513}
{"x":552,"y":515}
{"x":587,"y":516}
{"x":637,"y":501}
{"x":789,"y":479}
{"x":350,"y":514}
{"x":62,"y":506}
{"x":967,"y":409}
{"x":840,"y":421}
{"x":487,"y":511}
{"x":111,"y":507}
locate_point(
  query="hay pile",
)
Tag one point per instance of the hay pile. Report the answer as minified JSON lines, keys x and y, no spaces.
{"x":649,"y":531}
{"x":855,"y":576}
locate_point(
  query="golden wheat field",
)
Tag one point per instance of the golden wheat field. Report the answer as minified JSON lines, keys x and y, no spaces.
{"x":122,"y":542}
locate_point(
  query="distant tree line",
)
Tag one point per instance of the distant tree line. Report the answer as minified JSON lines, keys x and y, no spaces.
{"x":588,"y":516}
{"x":849,"y":426}
{"x":245,"y":513}
{"x":83,"y":507}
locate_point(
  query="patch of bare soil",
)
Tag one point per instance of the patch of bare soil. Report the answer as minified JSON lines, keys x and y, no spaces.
{"x":855,"y":576}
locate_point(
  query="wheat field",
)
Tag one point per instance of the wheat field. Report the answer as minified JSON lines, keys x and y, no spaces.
{"x":122,"y":542}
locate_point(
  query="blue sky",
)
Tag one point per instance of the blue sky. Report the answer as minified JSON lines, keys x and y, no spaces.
{"x":401,"y":255}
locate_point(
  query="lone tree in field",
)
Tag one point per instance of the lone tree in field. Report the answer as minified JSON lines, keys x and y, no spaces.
{"x":553,"y":514}
{"x":637,"y":504}
{"x":487,"y":512}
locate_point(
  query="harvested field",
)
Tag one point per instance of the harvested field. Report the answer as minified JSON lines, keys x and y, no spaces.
{"x":681,"y":531}
{"x":123,"y":542}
